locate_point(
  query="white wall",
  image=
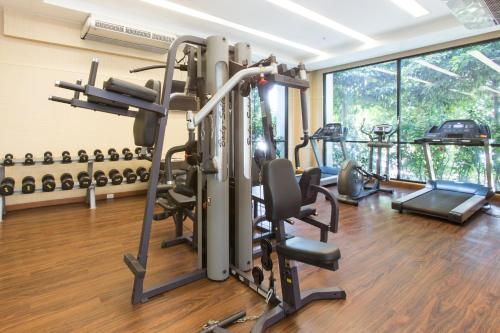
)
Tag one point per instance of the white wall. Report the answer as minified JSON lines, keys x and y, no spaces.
{"x":34,"y":53}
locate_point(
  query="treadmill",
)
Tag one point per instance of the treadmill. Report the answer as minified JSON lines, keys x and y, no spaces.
{"x":333,"y":132}
{"x":451,"y":200}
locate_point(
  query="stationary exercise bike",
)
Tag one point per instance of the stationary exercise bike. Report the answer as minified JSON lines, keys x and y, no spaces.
{"x":354,"y":182}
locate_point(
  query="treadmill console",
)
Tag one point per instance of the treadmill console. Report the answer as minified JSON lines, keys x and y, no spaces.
{"x":330,"y":132}
{"x":382,"y":129}
{"x":457,"y":132}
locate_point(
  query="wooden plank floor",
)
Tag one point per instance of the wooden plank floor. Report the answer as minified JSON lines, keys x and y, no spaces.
{"x":61,"y":270}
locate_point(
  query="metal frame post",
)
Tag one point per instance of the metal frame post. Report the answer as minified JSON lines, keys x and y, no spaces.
{"x":242,"y":136}
{"x":138,"y":293}
{"x":428,"y":161}
{"x":217,"y":74}
{"x":319,"y":161}
{"x":90,"y":197}
{"x":379,"y":160}
{"x":488,"y":159}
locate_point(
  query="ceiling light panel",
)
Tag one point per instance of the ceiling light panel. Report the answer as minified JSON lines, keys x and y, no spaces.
{"x":412,"y":7}
{"x":168,"y":5}
{"x":435,"y":68}
{"x":485,"y":60}
{"x":323,"y":20}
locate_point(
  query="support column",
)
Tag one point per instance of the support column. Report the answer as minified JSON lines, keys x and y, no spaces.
{"x":217,"y":58}
{"x":242,"y":136}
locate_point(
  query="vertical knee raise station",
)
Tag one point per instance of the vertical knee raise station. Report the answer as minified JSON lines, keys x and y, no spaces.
{"x":215,"y":98}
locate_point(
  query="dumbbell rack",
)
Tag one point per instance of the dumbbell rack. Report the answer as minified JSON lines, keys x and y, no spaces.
{"x":91,"y":190}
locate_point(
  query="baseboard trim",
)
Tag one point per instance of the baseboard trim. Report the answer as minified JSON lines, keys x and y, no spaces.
{"x":67,"y":201}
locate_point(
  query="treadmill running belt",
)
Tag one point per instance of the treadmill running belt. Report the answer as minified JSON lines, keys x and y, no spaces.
{"x":437,"y":202}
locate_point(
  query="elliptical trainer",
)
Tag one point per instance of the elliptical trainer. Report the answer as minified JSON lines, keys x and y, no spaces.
{"x":353,"y":182}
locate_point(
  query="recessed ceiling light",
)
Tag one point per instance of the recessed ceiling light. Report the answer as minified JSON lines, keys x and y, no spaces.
{"x":462,"y":92}
{"x":416,"y":79}
{"x":217,"y":20}
{"x":485,"y":60}
{"x":412,"y":7}
{"x":323,"y":20}
{"x":382,"y":70}
{"x":436,"y":68}
{"x":490,"y":89}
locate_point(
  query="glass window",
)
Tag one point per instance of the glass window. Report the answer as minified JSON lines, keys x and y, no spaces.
{"x":278,"y":101}
{"x":361,"y":97}
{"x":461,"y":83}
{"x":458,"y":83}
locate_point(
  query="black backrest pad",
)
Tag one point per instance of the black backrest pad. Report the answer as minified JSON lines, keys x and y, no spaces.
{"x":282,"y":195}
{"x":123,"y":87}
{"x":146,"y":122}
{"x":311,"y":176}
{"x":192,"y":179}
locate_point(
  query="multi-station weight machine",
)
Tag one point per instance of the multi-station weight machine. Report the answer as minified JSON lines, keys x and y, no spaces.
{"x":215,"y":97}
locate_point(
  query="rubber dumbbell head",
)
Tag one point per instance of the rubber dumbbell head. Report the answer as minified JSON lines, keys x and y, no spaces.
{"x":28,"y":159}
{"x":67,"y":182}
{"x":66,"y":157}
{"x":48,"y":158}
{"x":130,"y":176}
{"x":84,"y":179}
{"x":28,"y":185}
{"x":100,"y":178}
{"x":7,"y":186}
{"x":127,"y":154}
{"x":113,"y":155}
{"x":48,"y":183}
{"x":8,"y":160}
{"x":116,"y":177}
{"x":98,"y":155}
{"x":143,"y":174}
{"x":138,"y":150}
{"x":82,"y":156}
{"x":150,"y":150}
{"x":258,"y":275}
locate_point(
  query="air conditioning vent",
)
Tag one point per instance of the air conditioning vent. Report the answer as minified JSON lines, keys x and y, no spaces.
{"x":476,"y":14}
{"x":127,"y":36}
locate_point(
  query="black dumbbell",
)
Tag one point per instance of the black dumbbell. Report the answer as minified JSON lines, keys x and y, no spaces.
{"x":129,"y":175}
{"x":28,"y":159}
{"x":7,"y":186}
{"x":140,"y":155}
{"x":82,"y":156}
{"x":113,"y":155}
{"x":48,"y":158}
{"x":100,"y":178}
{"x":84,"y":179}
{"x":48,"y":183}
{"x":127,"y":154}
{"x":116,"y":177}
{"x":67,"y":182}
{"x":98,"y":155}
{"x":28,"y":185}
{"x":150,"y":150}
{"x":66,"y":157}
{"x":8,"y":160}
{"x":143,"y":174}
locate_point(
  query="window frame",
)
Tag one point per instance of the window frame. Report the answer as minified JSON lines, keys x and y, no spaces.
{"x":285,"y":140}
{"x":398,"y":60}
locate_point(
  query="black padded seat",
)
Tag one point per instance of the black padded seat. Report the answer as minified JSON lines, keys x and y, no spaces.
{"x":131,"y":89}
{"x":309,"y":251}
{"x":306,"y":211}
{"x":181,"y":199}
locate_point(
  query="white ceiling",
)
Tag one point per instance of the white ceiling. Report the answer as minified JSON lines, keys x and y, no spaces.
{"x":393,"y":29}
